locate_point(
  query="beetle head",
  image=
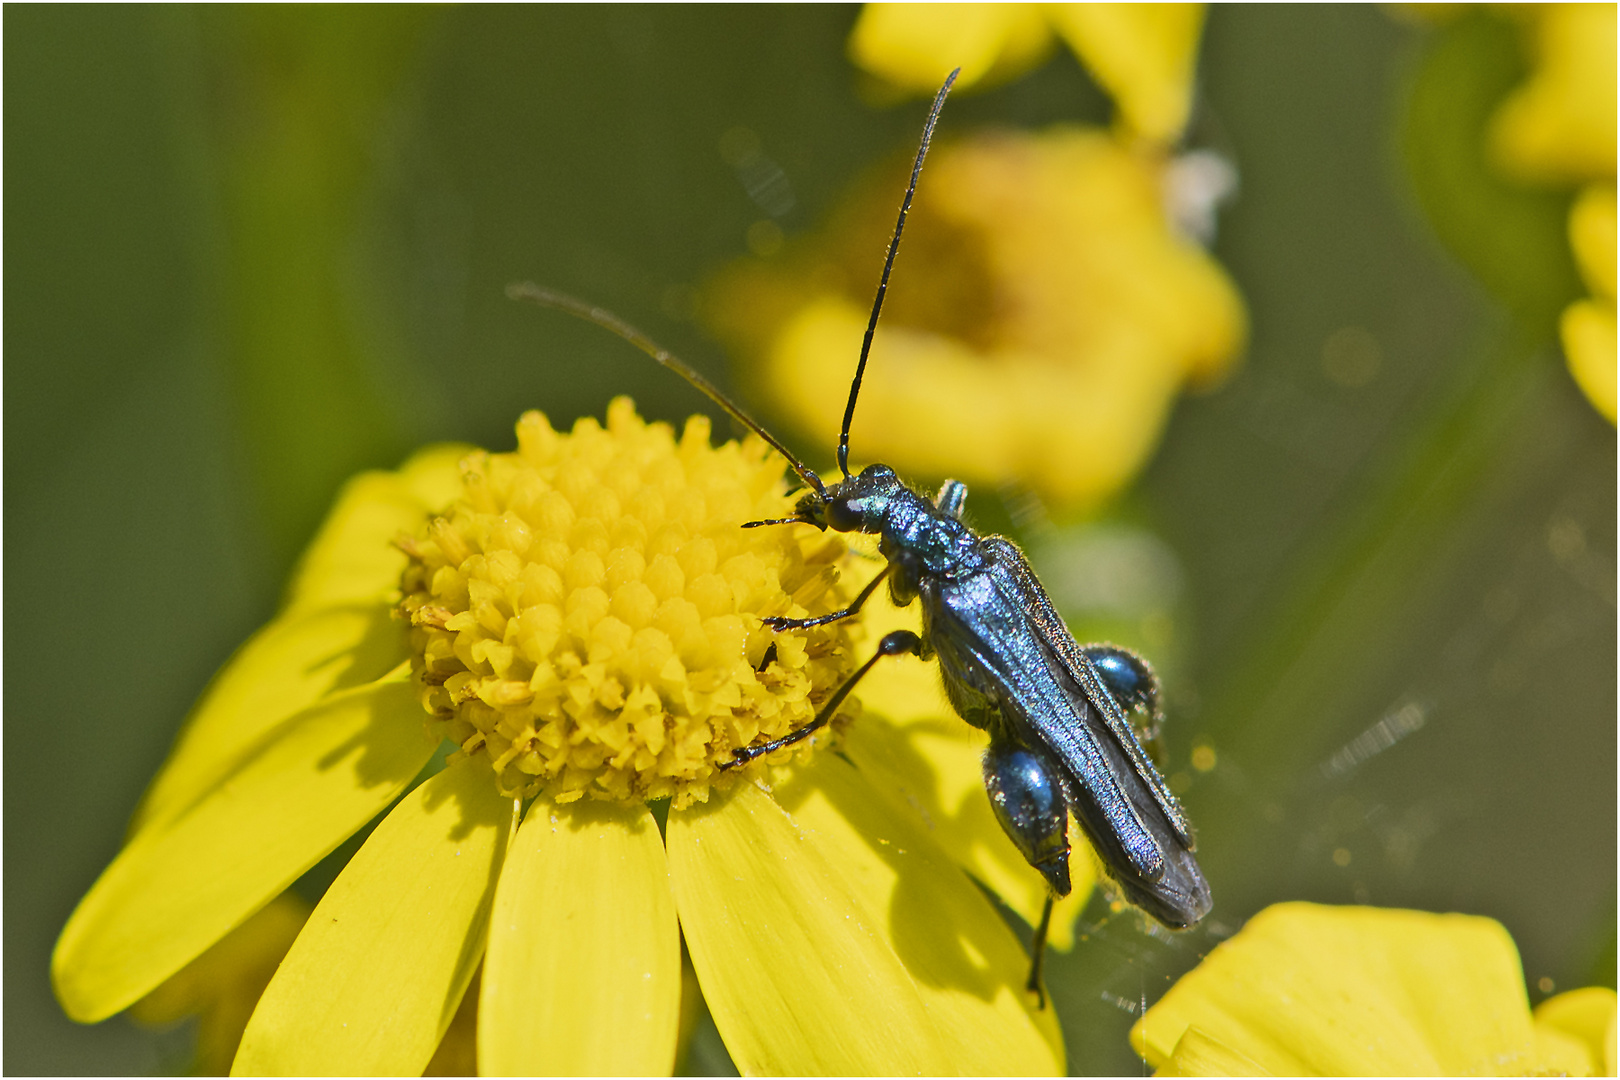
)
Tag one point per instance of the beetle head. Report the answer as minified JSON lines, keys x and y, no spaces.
{"x":855,"y":504}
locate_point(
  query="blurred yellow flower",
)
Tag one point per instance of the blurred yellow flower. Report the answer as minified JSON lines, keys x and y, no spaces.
{"x":1558,"y":130}
{"x":914,"y":46}
{"x":1043,"y":315}
{"x":1143,"y":55}
{"x":1308,"y":990}
{"x":581,"y":618}
{"x":1588,"y":326}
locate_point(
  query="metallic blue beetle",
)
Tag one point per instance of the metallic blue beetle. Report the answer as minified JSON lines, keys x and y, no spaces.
{"x":1061,"y":740}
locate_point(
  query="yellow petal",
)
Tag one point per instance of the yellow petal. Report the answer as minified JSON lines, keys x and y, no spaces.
{"x":915,"y":46}
{"x":927,"y":763}
{"x":968,"y":966}
{"x":457,"y":1053}
{"x":1028,"y":417}
{"x":1069,"y":391}
{"x":1592,"y":236}
{"x":1305,"y":989}
{"x":929,"y":772}
{"x":1587,"y":1014}
{"x":797,"y":932}
{"x":222,"y":986}
{"x":433,"y":474}
{"x":584,"y":929}
{"x":1199,"y":1055}
{"x":373,"y":981}
{"x":283,"y":669}
{"x":177,"y":889}
{"x":1560,"y":125}
{"x":1587,"y":329}
{"x":1142,"y":54}
{"x":259,"y":943}
{"x":353,"y":559}
{"x":799,"y":973}
{"x":1558,"y":1053}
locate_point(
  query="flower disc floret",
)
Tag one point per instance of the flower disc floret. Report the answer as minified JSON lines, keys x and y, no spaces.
{"x":587,"y":614}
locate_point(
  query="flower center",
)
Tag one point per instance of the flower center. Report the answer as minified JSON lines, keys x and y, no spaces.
{"x":587,"y":613}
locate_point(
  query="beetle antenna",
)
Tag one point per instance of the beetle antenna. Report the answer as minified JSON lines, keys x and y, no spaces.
{"x":888,"y":264}
{"x":550,"y":298}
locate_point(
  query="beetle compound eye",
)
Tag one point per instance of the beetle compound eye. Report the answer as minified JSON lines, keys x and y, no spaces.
{"x":1028,"y":800}
{"x":843,"y":515}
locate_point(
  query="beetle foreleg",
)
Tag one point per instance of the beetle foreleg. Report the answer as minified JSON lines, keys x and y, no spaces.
{"x":893,"y":644}
{"x":781,"y":622}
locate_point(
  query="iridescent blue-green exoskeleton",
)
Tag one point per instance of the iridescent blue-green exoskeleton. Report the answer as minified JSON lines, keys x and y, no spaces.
{"x":1058,"y":714}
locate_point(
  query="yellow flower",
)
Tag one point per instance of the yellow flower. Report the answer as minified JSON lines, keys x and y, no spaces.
{"x":1310,"y":990}
{"x":1588,"y":326}
{"x":1586,"y":1015}
{"x":1042,"y":317}
{"x":1143,"y":55}
{"x":1559,"y":127}
{"x":914,"y":46}
{"x":1558,"y":130}
{"x":581,"y":618}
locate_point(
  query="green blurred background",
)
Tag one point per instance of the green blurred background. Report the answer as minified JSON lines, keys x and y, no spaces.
{"x":250,"y":251}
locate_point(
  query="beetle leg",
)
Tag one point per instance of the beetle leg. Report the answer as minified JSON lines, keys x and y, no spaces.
{"x":950,"y":498}
{"x":1133,"y":684}
{"x":1037,"y":950}
{"x":893,"y":644}
{"x":780,"y":622}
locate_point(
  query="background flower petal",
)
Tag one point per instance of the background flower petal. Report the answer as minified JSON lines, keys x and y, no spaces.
{"x":1587,"y":1014}
{"x":821,"y":949}
{"x":373,"y":981}
{"x":284,"y":668}
{"x":1199,"y":1055}
{"x":1142,"y":54}
{"x":433,"y":474}
{"x":1587,"y":327}
{"x":1560,"y":125}
{"x":177,"y":889}
{"x":222,"y":986}
{"x":915,"y":46}
{"x":353,"y":558}
{"x":1592,"y":237}
{"x":583,"y":929}
{"x":1306,"y":989}
{"x":1558,"y":1053}
{"x":1102,"y":312}
{"x":1588,"y":332}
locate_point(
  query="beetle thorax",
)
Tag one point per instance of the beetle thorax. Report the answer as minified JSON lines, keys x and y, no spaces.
{"x":914,"y":533}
